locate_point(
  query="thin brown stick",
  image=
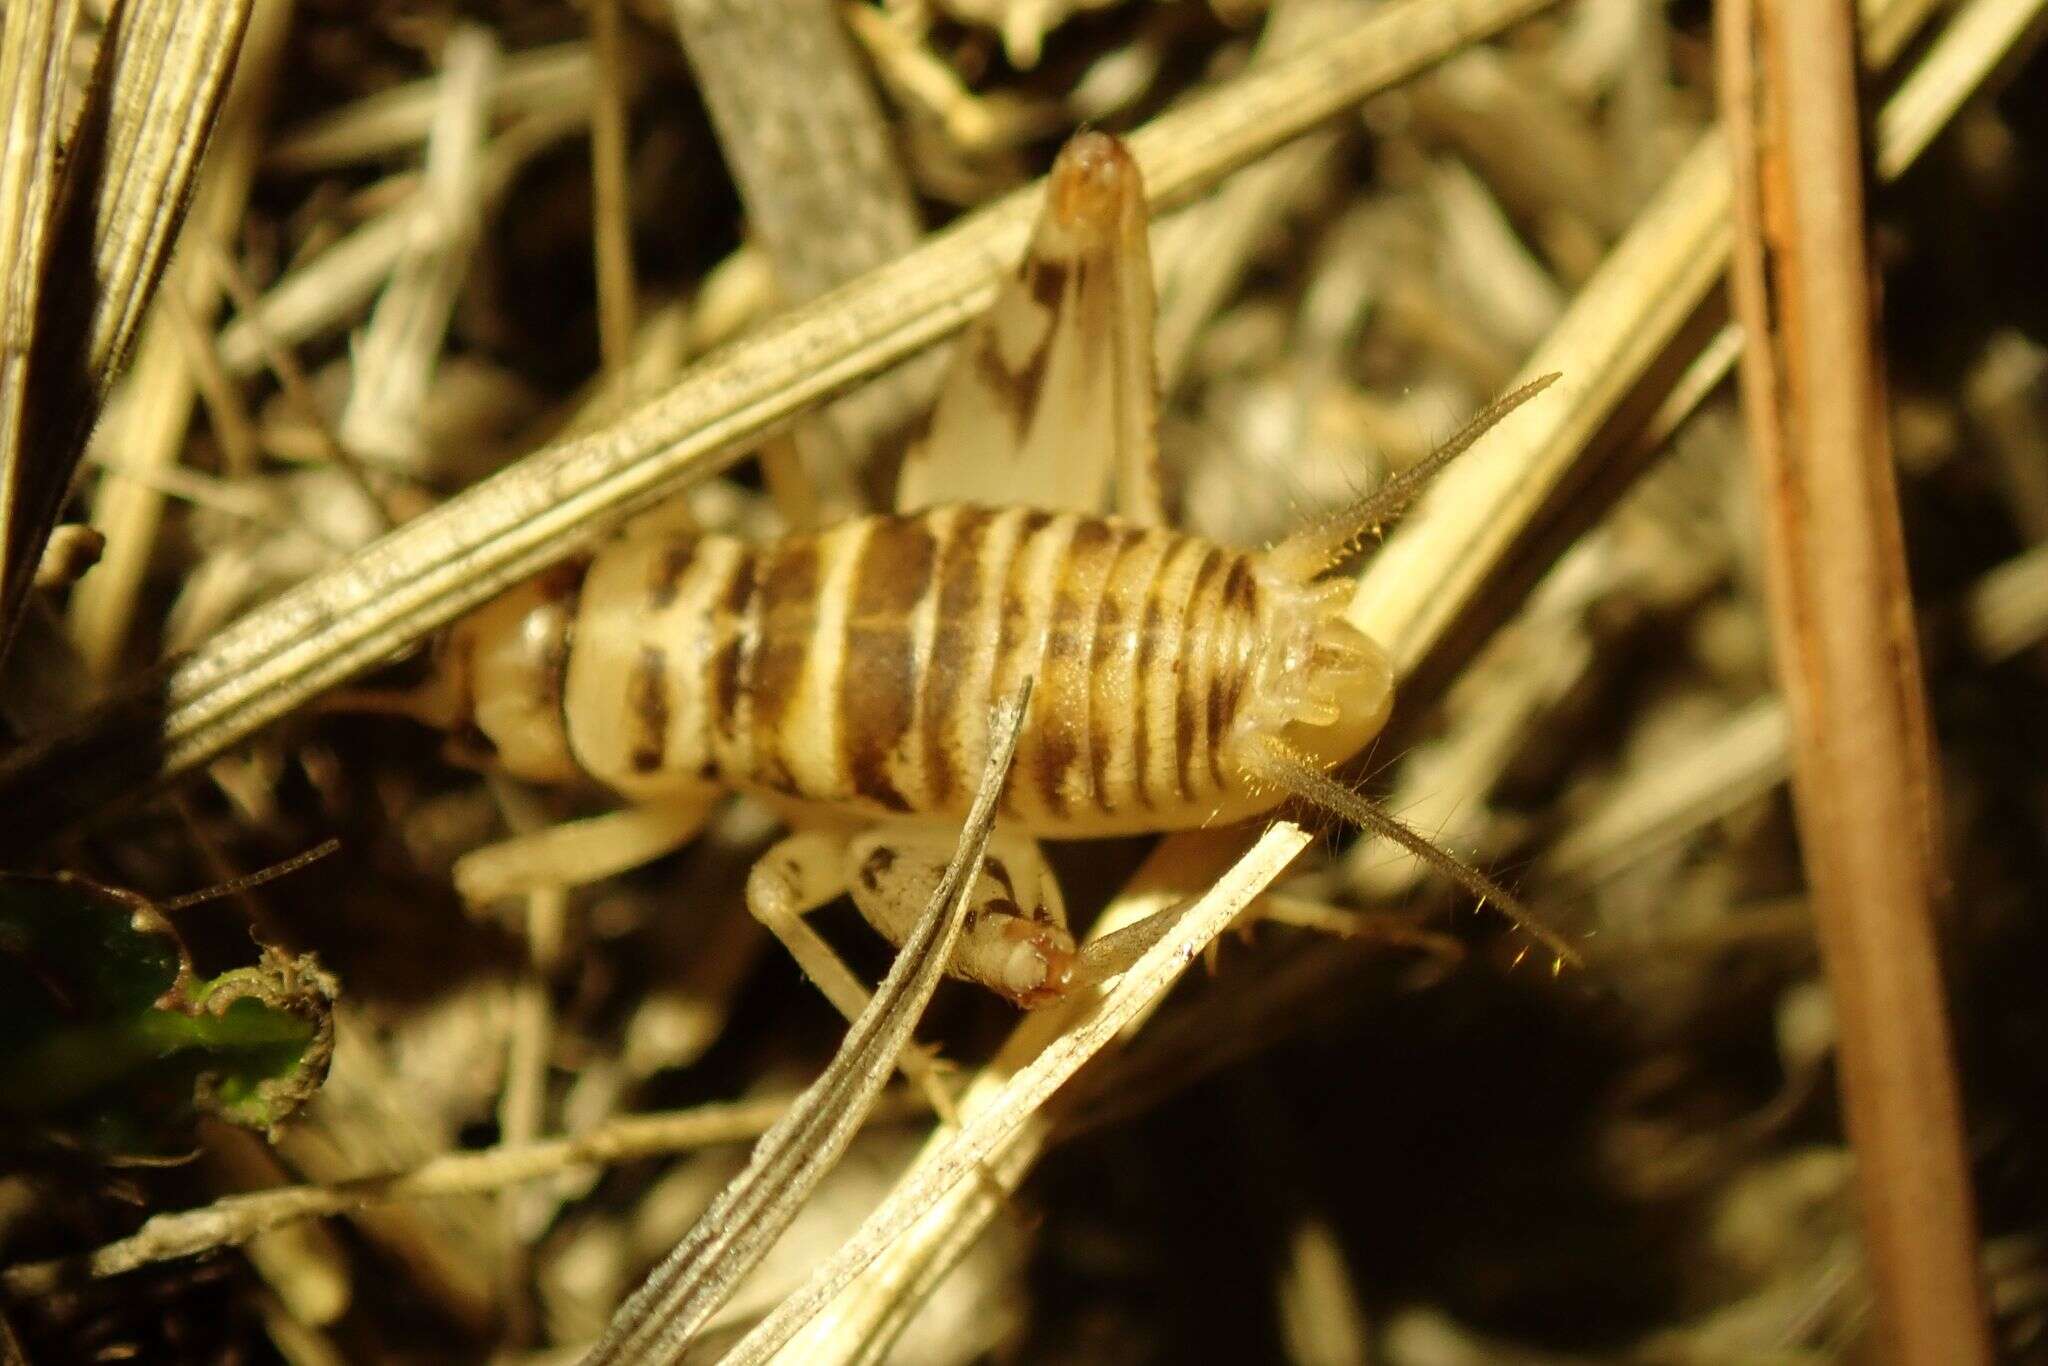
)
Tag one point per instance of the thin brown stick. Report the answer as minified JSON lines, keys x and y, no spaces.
{"x":612,"y":209}
{"x":1841,"y":612}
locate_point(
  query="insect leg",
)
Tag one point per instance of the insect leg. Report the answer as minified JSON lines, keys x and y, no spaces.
{"x":576,"y":852}
{"x":794,"y":878}
{"x":1015,"y":941}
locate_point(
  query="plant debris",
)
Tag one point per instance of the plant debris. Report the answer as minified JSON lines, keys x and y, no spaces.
{"x":456,"y":290}
{"x":109,"y":1041}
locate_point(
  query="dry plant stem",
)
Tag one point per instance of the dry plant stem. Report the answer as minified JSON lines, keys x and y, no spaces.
{"x":1748,"y":754}
{"x":529,"y":1044}
{"x":327,"y":291}
{"x":1204,"y":252}
{"x":157,"y":85}
{"x":1841,"y":616}
{"x":1739,"y":760}
{"x":1975,"y":40}
{"x":984,"y":1132}
{"x":392,"y":123}
{"x":730,"y":1238}
{"x":170,"y":74}
{"x":395,"y":356}
{"x":610,"y":192}
{"x":1440,"y":561}
{"x":234,"y":1219}
{"x":2007,"y":609}
{"x":306,"y":1263}
{"x":365,"y":1121}
{"x":861,"y":1323}
{"x":1750,"y":758}
{"x":219,"y":397}
{"x":426,"y":573}
{"x":294,"y":384}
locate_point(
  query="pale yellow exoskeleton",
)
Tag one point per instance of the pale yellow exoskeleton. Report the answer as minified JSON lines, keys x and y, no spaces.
{"x":847,"y":677}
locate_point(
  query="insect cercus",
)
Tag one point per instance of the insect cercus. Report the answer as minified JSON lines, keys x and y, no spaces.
{"x":847,"y":676}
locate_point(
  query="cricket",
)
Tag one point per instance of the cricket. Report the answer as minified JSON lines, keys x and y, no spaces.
{"x":846,"y":677}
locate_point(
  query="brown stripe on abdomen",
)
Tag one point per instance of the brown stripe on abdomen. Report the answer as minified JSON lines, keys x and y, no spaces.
{"x":955,"y":648}
{"x":1236,"y":644}
{"x":647,"y":709}
{"x":736,"y":632}
{"x":878,"y":669}
{"x":1017,"y":636}
{"x":785,"y":613}
{"x":859,"y":666}
{"x":1116,"y":715}
{"x":563,"y":586}
{"x":666,"y":572}
{"x":1190,"y":716}
{"x":1063,"y":763}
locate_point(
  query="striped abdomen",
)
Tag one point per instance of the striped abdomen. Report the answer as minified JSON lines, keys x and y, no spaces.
{"x":857,"y":667}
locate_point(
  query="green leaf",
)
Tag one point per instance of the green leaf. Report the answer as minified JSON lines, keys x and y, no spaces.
{"x":110,"y":1041}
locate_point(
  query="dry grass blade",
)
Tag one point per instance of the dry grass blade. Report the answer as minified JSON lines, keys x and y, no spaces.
{"x":397,"y":351}
{"x":1980,"y":36}
{"x":325,"y":292}
{"x":150,"y":415}
{"x":1742,"y":759}
{"x":1751,"y":757}
{"x":660,"y":1320}
{"x":984,"y":1132}
{"x":34,"y":37}
{"x":803,"y":135}
{"x":889,"y":1293}
{"x":1842,"y":621}
{"x":169,"y":66}
{"x":128,"y":174}
{"x":394,"y":122}
{"x":1367,"y":1094}
{"x":426,"y":573}
{"x":826,"y":195}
